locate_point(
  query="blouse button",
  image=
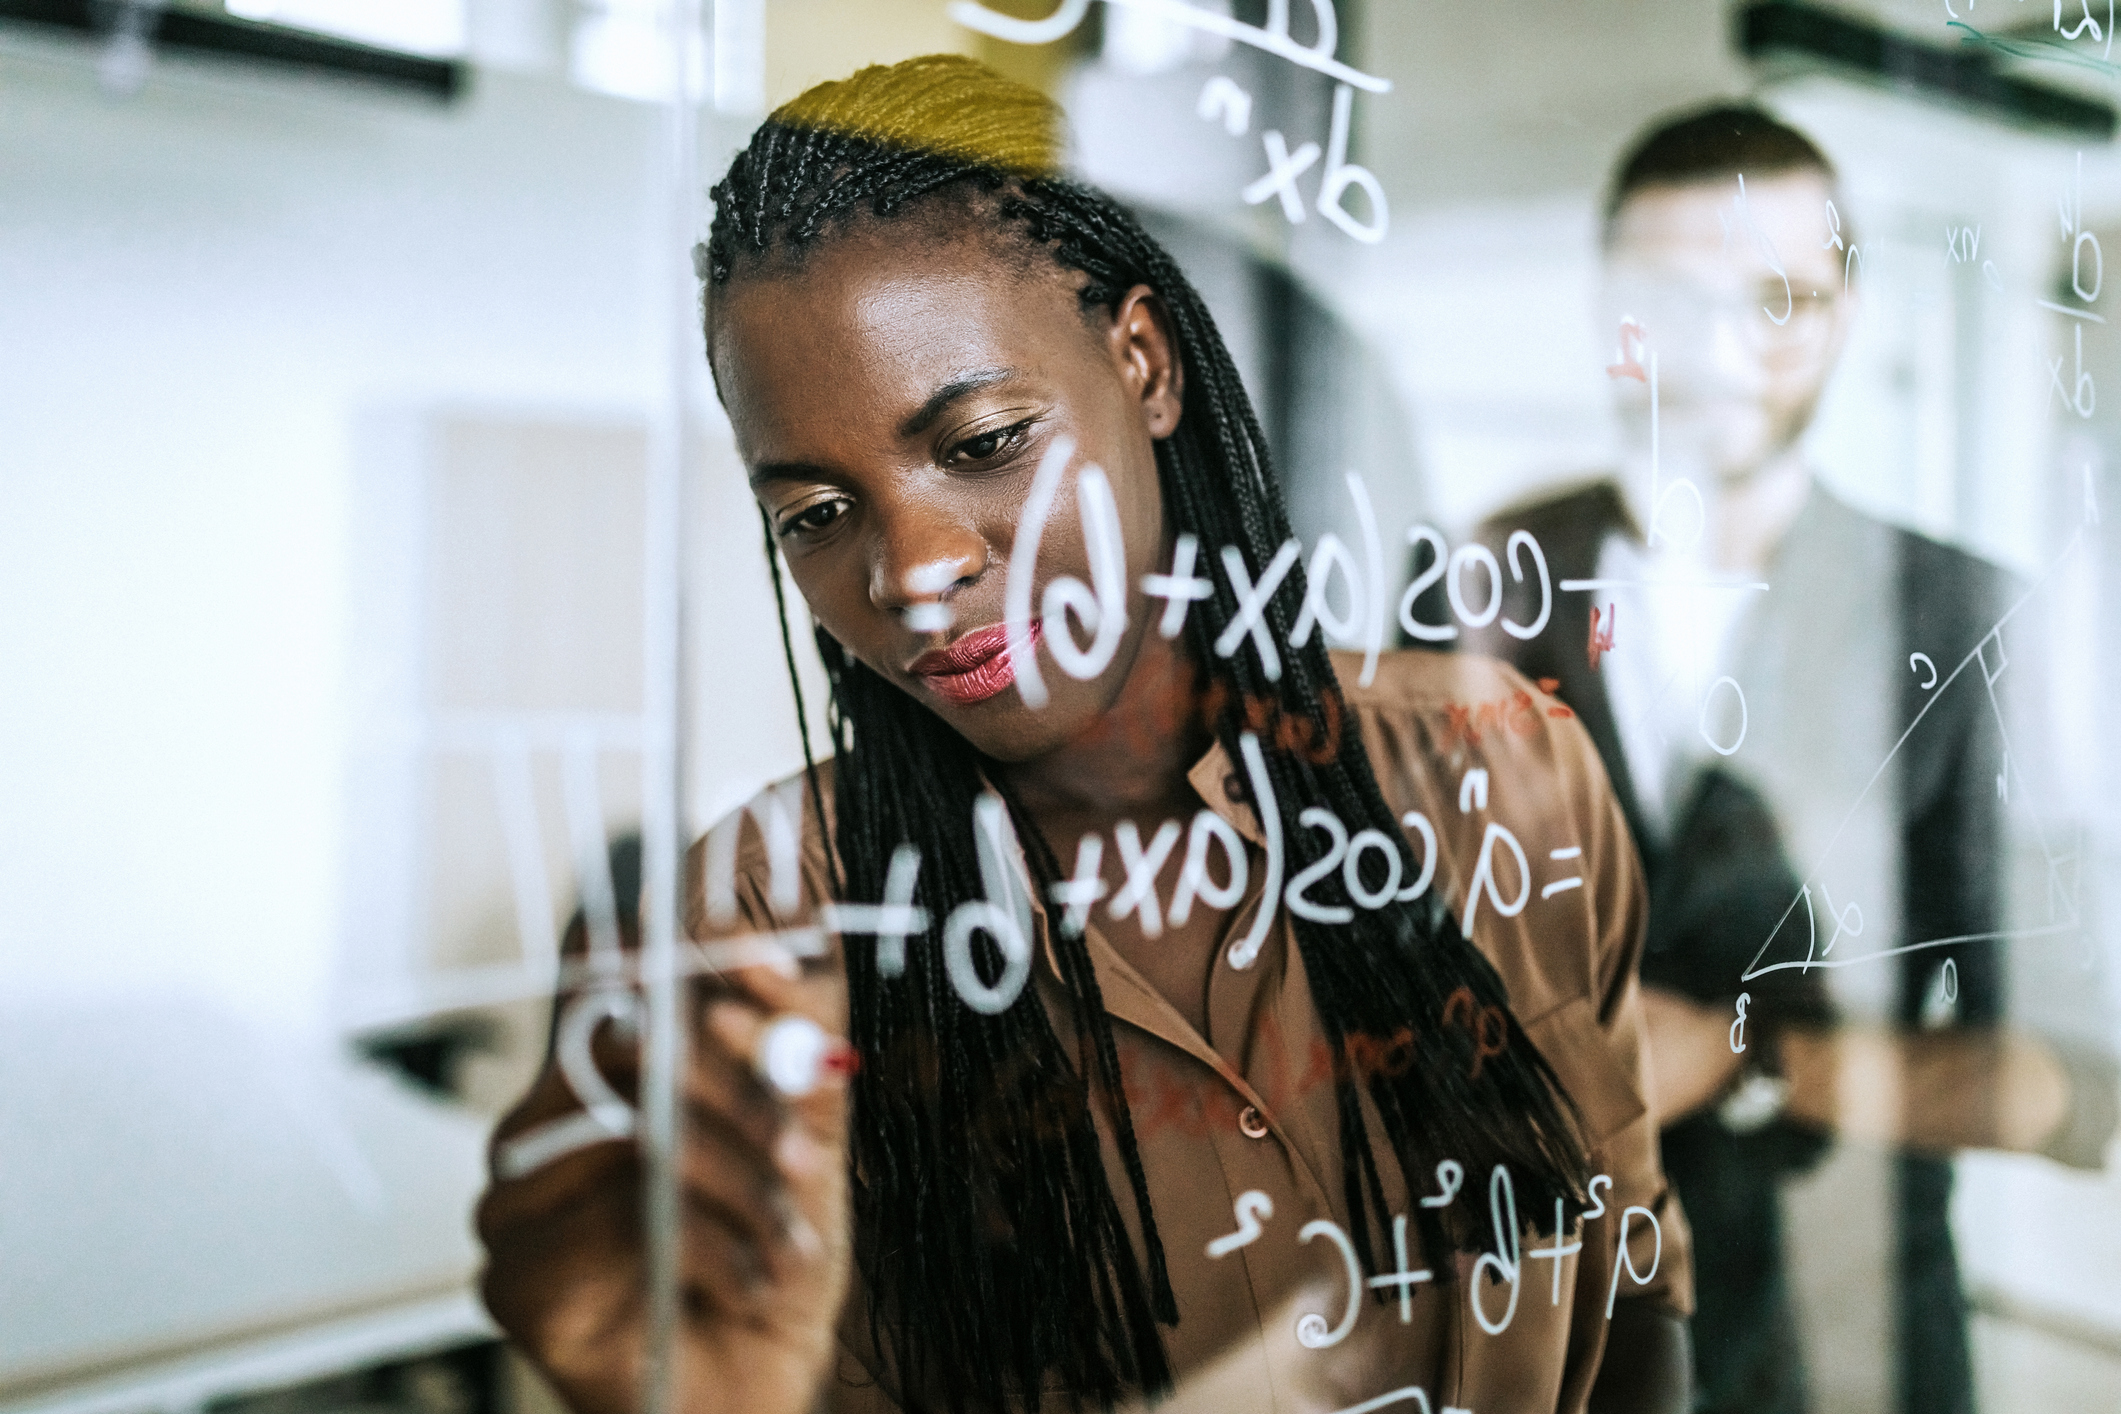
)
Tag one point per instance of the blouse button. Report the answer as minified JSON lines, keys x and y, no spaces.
{"x":1251,"y":1123}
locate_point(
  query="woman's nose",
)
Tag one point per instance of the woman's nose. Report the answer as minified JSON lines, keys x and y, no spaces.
{"x":921,"y":569}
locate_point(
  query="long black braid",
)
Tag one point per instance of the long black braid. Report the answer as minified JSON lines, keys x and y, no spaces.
{"x":997,"y":1263}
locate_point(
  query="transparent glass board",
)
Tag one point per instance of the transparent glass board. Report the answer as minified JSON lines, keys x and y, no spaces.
{"x":971,"y":704}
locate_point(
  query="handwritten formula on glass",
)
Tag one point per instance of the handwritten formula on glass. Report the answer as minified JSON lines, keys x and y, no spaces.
{"x":1224,"y":101}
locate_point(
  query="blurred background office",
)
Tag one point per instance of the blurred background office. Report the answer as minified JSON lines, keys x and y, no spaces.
{"x":345,"y":344}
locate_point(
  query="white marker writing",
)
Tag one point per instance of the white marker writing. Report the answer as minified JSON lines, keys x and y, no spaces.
{"x":1272,"y":37}
{"x":1311,"y":1330}
{"x":1246,"y":949}
{"x":1402,"y":1276}
{"x":1484,"y":877}
{"x":1283,"y":168}
{"x":1004,"y":915}
{"x":1194,"y":880}
{"x":1103,"y":610}
{"x":1319,"y":818}
{"x":1138,"y":894}
{"x":1023,"y":569}
{"x":1419,"y":823}
{"x":1504,"y":1260}
{"x":604,"y":1115}
{"x":1341,"y":174}
{"x":1624,"y":1258}
{"x":1221,"y":98}
{"x":1178,"y":588}
{"x":1252,"y":601}
{"x":891,"y":922}
{"x":1449,"y":1175}
{"x":1557,"y":1252}
{"x":1251,"y":1206}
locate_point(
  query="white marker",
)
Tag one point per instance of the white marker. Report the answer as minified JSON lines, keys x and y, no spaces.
{"x":792,"y":1055}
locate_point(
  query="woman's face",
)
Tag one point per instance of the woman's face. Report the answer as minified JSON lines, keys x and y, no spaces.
{"x":893,"y":398}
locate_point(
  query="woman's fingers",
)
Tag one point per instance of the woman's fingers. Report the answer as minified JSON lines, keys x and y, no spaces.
{"x":742,"y":1228}
{"x":564,"y":1272}
{"x":604,"y":1061}
{"x":722,"y":1080}
{"x":726,"y":1176}
{"x":763,"y":1252}
{"x":759,"y":1166}
{"x":721,"y":1267}
{"x":758,"y":1009}
{"x":801,"y":1071}
{"x":768,"y":1009}
{"x":769,"y":990}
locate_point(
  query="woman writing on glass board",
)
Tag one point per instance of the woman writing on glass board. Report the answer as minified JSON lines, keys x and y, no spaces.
{"x":1185,"y":1083}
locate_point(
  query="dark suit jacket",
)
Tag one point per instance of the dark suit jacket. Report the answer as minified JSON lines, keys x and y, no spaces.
{"x":1724,"y":871}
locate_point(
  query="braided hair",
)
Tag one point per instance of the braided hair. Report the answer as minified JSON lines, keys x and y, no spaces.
{"x":996,"y":1260}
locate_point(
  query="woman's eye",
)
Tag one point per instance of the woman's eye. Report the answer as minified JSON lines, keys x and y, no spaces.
{"x":815,"y":518}
{"x":991,"y":444}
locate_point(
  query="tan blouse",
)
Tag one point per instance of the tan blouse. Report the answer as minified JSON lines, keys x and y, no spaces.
{"x":1238,"y":1128}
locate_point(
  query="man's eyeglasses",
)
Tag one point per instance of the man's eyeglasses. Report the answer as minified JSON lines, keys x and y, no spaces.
{"x":1773,"y":319}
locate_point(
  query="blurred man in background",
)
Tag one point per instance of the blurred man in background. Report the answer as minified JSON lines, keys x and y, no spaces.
{"x":1735,"y":722}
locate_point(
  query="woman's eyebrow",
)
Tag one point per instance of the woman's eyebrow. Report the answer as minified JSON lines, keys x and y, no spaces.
{"x":785,"y":471}
{"x":950,"y":392}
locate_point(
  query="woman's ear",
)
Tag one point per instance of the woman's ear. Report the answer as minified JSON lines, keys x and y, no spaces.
{"x":1146,"y":349}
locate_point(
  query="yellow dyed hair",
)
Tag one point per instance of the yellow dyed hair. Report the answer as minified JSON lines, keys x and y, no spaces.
{"x":944,"y":104}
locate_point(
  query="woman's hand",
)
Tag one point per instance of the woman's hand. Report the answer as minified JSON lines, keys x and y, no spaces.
{"x":764,"y":1247}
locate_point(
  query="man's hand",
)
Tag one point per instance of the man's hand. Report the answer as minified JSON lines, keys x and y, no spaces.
{"x":1691,"y":1062}
{"x":1937,"y":1091}
{"x":764,"y":1246}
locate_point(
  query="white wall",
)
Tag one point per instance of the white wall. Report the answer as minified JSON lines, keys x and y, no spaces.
{"x":203,"y":290}
{"x":209,"y":294}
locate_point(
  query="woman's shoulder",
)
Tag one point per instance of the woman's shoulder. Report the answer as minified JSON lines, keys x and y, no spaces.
{"x":1533,"y":848}
{"x":762,"y":865}
{"x":1427,"y":718}
{"x":1416,"y":675}
{"x":1468,"y":697}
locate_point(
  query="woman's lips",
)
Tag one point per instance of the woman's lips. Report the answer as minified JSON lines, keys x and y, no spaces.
{"x":973,"y":668}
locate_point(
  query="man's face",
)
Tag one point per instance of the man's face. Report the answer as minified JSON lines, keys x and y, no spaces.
{"x":1743,"y":304}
